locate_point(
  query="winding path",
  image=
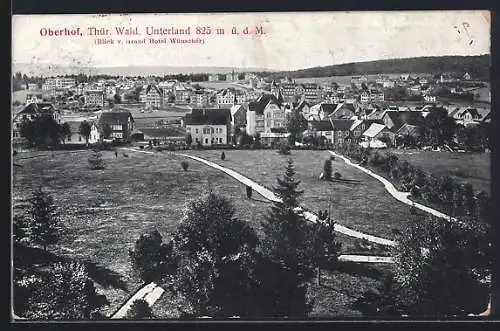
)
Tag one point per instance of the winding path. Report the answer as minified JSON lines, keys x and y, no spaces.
{"x":400,"y":196}
{"x":152,"y":292}
{"x":268,"y":194}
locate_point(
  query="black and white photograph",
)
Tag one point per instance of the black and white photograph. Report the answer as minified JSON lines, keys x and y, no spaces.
{"x":251,"y":166}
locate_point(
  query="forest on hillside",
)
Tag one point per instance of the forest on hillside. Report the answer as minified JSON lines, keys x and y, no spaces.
{"x":477,"y":66}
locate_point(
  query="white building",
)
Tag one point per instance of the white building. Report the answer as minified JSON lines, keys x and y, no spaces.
{"x":94,"y":98}
{"x":77,"y":138}
{"x":208,"y":126}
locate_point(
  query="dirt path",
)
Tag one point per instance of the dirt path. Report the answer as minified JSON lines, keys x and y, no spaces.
{"x":150,"y":293}
{"x":400,"y":196}
{"x":269,"y":195}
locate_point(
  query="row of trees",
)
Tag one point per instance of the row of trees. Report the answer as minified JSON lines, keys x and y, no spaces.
{"x":216,"y":265}
{"x":44,"y":131}
{"x":56,"y":288}
{"x":438,"y":129}
{"x":454,"y":198}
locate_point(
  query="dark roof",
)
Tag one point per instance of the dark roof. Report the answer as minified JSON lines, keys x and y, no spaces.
{"x":404,"y":117}
{"x":341,"y":125}
{"x":38,"y":108}
{"x":261,"y":103}
{"x":208,"y":116}
{"x":340,"y":108}
{"x":158,"y":90}
{"x":409,"y":130}
{"x":328,"y":108}
{"x":310,"y":85}
{"x":473,"y":111}
{"x":164,"y":132}
{"x":115,"y":116}
{"x":321,"y":125}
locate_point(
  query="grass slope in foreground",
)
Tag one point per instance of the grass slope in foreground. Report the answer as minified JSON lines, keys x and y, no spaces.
{"x":105,"y":211}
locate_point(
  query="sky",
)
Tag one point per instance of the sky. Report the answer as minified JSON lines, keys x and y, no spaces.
{"x":291,"y":41}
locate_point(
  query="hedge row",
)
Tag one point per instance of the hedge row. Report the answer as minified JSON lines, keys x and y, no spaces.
{"x":451,"y":196}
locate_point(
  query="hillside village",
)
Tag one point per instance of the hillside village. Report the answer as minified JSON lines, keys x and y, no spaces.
{"x":376,"y":111}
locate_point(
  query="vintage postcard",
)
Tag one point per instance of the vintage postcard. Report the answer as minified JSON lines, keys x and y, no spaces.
{"x":251,"y":166}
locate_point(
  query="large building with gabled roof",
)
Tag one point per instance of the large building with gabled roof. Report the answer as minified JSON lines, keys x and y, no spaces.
{"x":208,"y":126}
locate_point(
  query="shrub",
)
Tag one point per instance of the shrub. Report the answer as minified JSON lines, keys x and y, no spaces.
{"x":184,"y":165}
{"x":327,"y":170}
{"x":139,"y":309}
{"x":95,"y":161}
{"x":151,"y":258}
{"x":284,"y":149}
{"x":249,"y":192}
{"x":337,"y":175}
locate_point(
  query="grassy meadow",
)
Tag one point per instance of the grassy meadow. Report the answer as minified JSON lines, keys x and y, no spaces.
{"x":105,"y":211}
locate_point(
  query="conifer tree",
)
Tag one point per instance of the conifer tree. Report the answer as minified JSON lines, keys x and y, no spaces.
{"x":285,"y":243}
{"x":95,"y":161}
{"x":44,"y":226}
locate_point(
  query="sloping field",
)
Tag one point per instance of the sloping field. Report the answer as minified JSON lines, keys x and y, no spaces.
{"x":360,"y":203}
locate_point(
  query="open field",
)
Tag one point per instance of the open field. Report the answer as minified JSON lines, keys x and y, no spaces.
{"x":474,"y":168}
{"x":364,"y":206}
{"x":19,"y":96}
{"x":105,"y":211}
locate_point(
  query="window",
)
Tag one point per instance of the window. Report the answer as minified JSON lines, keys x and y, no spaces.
{"x":196,"y":130}
{"x":206,"y":140}
{"x":220,"y":139}
{"x":197,"y":140}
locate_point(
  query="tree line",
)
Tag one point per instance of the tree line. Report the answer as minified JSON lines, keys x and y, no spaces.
{"x":44,"y":131}
{"x":477,"y":66}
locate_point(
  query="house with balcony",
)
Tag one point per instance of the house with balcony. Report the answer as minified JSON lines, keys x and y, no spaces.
{"x":265,"y":113}
{"x":311,"y":92}
{"x":94,"y":98}
{"x":225,"y":98}
{"x":152,"y":96}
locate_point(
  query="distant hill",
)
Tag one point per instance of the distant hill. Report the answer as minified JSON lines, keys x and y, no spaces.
{"x":477,"y":66}
{"x":47,"y":70}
